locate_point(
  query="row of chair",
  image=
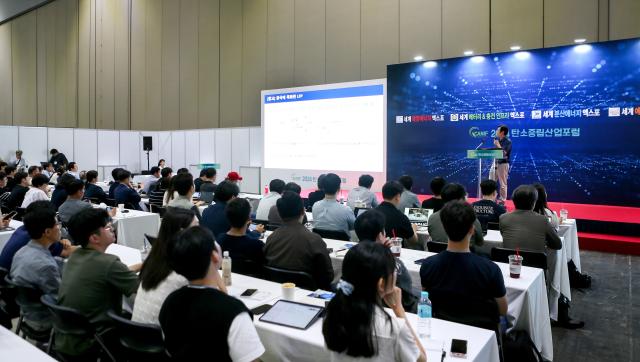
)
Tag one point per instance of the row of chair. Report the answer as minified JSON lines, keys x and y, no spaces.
{"x":535,"y":259}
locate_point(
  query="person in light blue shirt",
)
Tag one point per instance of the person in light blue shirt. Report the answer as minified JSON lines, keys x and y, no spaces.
{"x":362,"y":196}
{"x":407,"y":198}
{"x":328,"y":214}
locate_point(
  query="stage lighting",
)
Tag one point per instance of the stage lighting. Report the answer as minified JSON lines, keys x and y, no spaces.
{"x":582,"y":48}
{"x":418,"y":58}
{"x":468,"y":52}
{"x":477,"y":59}
{"x":579,"y":40}
{"x":430,"y":64}
{"x":516,"y":47}
{"x":522,"y":55}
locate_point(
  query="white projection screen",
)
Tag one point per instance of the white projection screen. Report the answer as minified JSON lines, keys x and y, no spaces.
{"x":336,"y":128}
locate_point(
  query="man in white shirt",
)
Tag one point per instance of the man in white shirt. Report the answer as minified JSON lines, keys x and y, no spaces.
{"x":201,"y":318}
{"x":152,"y":179}
{"x":18,"y":162}
{"x":73,"y":170}
{"x":361,"y":196}
{"x":408,"y":198}
{"x":276,"y":187}
{"x":38,"y":191}
{"x":328,"y":213}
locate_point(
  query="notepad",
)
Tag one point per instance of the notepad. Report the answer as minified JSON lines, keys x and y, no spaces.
{"x":128,"y":256}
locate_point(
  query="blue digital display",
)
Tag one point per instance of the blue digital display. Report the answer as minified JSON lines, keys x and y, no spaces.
{"x":573,"y":114}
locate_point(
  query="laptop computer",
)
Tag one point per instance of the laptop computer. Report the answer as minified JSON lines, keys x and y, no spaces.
{"x":418,"y":215}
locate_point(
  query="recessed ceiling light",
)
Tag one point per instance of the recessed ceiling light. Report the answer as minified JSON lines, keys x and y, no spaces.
{"x":516,"y":47}
{"x":468,"y":52}
{"x":430,"y":64}
{"x":579,"y":40}
{"x":418,"y":58}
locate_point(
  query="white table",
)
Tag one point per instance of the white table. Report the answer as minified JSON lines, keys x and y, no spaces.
{"x":14,"y":348}
{"x":528,"y":307}
{"x":288,"y":344}
{"x":132,"y":226}
{"x":6,"y":234}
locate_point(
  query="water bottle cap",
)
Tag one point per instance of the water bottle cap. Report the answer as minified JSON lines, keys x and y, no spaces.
{"x":424,"y":294}
{"x":225,"y":254}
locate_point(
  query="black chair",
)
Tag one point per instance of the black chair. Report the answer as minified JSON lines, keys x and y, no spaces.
{"x":493,"y":225}
{"x":332,"y":234}
{"x":150,"y":239}
{"x":535,"y":259}
{"x":69,"y":321}
{"x":27,"y":296}
{"x":477,"y":312}
{"x":93,"y":200}
{"x":359,"y":210}
{"x":111,"y":202}
{"x":299,"y":278}
{"x":436,"y":246}
{"x":160,"y":210}
{"x":20,"y":213}
{"x":140,"y":341}
{"x":9,"y":309}
{"x":247,"y":267}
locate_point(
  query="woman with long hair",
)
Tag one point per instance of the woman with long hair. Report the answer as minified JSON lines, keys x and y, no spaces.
{"x":356,"y":324}
{"x":157,"y":279}
{"x":542,"y":208}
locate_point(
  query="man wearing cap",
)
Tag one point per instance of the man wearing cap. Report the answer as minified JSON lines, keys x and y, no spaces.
{"x":234,"y":177}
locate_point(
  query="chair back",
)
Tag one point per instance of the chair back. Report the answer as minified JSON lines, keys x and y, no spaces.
{"x":332,"y":234}
{"x":493,"y":225}
{"x":138,"y":339}
{"x":150,"y":239}
{"x":160,"y":210}
{"x":67,"y":320}
{"x":299,"y":278}
{"x":8,"y":293}
{"x":20,"y":213}
{"x":535,"y":259}
{"x":477,"y":312}
{"x":247,"y":267}
{"x":111,"y":202}
{"x":94,"y":200}
{"x":436,"y":246}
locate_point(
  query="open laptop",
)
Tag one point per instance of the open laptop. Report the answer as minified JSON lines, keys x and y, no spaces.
{"x":418,"y":215}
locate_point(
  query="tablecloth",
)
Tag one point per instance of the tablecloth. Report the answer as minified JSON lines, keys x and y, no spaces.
{"x":132,"y":226}
{"x":6,"y":234}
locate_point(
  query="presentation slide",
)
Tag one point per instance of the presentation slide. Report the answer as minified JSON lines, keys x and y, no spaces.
{"x":330,"y":128}
{"x":573,"y":114}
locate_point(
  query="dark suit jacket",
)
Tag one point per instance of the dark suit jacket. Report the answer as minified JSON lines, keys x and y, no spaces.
{"x":527,"y":230}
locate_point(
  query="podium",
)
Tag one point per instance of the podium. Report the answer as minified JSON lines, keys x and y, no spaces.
{"x":483,"y":154}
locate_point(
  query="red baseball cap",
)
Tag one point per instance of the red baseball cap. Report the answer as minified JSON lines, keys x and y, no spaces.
{"x":234,"y":176}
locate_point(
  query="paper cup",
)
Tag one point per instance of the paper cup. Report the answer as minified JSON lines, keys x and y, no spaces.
{"x":396,"y":246}
{"x":288,"y":291}
{"x":515,"y":266}
{"x":121,"y":207}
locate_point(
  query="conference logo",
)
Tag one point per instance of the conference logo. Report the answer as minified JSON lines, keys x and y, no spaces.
{"x":475,"y":132}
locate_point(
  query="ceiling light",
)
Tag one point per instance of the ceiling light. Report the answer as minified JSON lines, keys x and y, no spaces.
{"x":468,"y":52}
{"x":516,"y":47}
{"x":430,"y":64}
{"x":579,"y":40}
{"x":418,"y":58}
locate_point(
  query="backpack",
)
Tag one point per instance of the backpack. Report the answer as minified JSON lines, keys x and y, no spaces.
{"x":517,"y":346}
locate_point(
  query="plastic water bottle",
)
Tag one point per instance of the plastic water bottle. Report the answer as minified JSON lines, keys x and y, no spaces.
{"x":226,"y":268}
{"x":424,"y":316}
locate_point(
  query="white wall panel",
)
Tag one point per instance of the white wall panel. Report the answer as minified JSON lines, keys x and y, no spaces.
{"x":154,"y":155}
{"x":85,"y":149}
{"x":207,"y":145}
{"x":223,"y":151}
{"x":9,"y":143}
{"x":33,"y":143}
{"x":178,"y":157}
{"x":256,"y":146}
{"x":130,"y":146}
{"x":164,"y":149}
{"x":240,"y":148}
{"x":62,"y":140}
{"x":108,"y":148}
{"x":192,"y":147}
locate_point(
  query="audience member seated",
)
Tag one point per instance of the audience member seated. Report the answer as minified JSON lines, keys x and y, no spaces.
{"x":362,"y":196}
{"x":34,"y":267}
{"x":11,"y":172}
{"x":200,"y":319}
{"x":19,"y":190}
{"x":18,"y":161}
{"x":74,"y":203}
{"x":487,"y":210}
{"x":124,"y":193}
{"x":525,"y":229}
{"x":183,"y":185}
{"x":20,"y":238}
{"x":458,"y":278}
{"x":48,"y":170}
{"x":59,"y":194}
{"x":156,"y":196}
{"x":408,"y":198}
{"x":162,"y":164}
{"x":73,"y":170}
{"x":56,"y":176}
{"x":93,"y":191}
{"x":5,"y":194}
{"x":293,"y":247}
{"x":114,"y":183}
{"x":328,"y":213}
{"x":435,"y":203}
{"x":453,"y":192}
{"x":542,"y":208}
{"x":396,"y":223}
{"x":370,"y":228}
{"x":3,"y":183}
{"x":233,"y":177}
{"x":32,"y":172}
{"x":2,"y":166}
{"x":207,"y":176}
{"x":58,"y":159}
{"x":236,"y":241}
{"x":38,"y":190}
{"x":213,"y":216}
{"x":276,"y":187}
{"x":182,"y":170}
{"x":157,"y":278}
{"x":274,"y":216}
{"x":93,"y":282}
{"x":316,"y":195}
{"x":356,"y":325}
{"x":151,"y":181}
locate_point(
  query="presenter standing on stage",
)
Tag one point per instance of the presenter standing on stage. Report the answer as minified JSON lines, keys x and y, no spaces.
{"x":500,"y":168}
